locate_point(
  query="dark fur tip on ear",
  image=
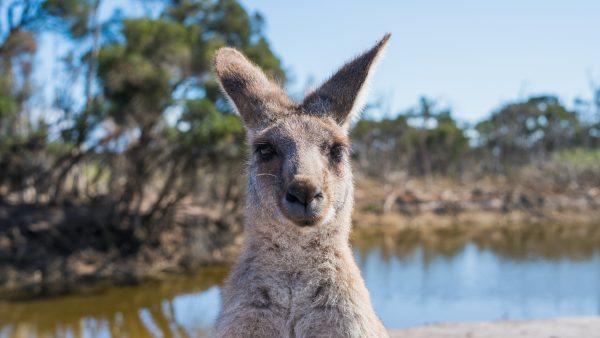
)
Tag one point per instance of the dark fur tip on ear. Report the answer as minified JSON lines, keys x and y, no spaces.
{"x":384,"y":41}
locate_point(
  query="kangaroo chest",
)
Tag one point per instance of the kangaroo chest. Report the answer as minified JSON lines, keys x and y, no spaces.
{"x":298,"y":286}
{"x":286,"y":291}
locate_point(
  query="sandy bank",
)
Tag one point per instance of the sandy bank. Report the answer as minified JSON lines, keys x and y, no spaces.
{"x":413,"y":205}
{"x":585,"y":327}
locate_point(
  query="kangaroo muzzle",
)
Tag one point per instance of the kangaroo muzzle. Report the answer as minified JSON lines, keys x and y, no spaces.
{"x":303,"y":202}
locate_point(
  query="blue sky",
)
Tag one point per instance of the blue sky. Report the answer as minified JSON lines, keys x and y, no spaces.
{"x":470,"y":55}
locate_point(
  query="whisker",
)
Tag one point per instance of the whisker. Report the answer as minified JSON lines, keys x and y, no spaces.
{"x":266,"y":175}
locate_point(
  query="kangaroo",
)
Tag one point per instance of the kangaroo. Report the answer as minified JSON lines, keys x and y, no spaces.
{"x":296,"y":276}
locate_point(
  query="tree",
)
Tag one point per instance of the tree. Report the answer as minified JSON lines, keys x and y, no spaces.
{"x":160,"y":68}
{"x":17,"y":48}
{"x":20,"y":140}
{"x":536,"y":127}
{"x":422,"y":141}
{"x":382,"y":147}
{"x":153,"y":126}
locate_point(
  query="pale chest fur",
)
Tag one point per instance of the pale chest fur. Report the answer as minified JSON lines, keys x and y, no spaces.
{"x":301,"y":282}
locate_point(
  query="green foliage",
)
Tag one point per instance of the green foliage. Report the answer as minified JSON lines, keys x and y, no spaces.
{"x":577,"y":168}
{"x":17,"y":49}
{"x":540,"y":125}
{"x":139,"y":77}
{"x":163,"y":65}
{"x":208,"y":125}
{"x":390,"y":145}
{"x":154,"y":120}
{"x":225,"y":23}
{"x":579,"y":159}
{"x":8,"y":107}
{"x":74,"y":14}
{"x":447,"y":144}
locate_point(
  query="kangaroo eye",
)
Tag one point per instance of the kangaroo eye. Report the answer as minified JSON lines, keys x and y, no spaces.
{"x":265,"y":151}
{"x":336,"y":152}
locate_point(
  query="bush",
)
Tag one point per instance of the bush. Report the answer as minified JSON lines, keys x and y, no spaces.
{"x":577,"y":168}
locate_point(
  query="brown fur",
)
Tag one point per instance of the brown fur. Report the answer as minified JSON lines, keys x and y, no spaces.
{"x":297,"y":276}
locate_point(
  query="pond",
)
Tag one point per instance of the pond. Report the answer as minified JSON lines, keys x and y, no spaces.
{"x":411,"y":283}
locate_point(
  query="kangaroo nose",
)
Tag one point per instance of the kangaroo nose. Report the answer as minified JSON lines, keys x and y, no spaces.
{"x":303,"y":193}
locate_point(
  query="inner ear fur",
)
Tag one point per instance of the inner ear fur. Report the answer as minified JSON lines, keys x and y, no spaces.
{"x":257,"y":99}
{"x":341,"y":97}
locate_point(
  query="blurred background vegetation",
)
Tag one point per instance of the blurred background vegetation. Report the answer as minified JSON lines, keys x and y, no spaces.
{"x":129,"y":166}
{"x":117,"y":143}
{"x":139,"y":134}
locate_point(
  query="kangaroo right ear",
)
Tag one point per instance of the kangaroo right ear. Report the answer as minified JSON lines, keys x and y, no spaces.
{"x":342,"y":96}
{"x":258,"y":100}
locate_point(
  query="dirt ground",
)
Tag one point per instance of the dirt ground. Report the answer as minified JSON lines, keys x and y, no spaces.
{"x":585,"y":327}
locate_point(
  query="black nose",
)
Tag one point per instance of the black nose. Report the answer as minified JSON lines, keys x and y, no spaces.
{"x":302,"y":193}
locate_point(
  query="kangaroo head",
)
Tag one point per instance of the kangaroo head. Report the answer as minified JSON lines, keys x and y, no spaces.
{"x":299,"y":173}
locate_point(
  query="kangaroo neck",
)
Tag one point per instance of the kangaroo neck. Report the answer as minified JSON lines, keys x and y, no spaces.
{"x":293,"y":248}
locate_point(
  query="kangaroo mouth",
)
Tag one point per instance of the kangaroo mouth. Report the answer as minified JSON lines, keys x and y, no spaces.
{"x":306,"y":222}
{"x":302,"y":215}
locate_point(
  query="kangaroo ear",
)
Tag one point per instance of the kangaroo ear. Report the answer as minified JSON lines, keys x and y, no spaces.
{"x":342,"y":96}
{"x":258,"y":100}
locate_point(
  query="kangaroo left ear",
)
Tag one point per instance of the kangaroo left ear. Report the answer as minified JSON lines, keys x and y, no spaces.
{"x":255,"y":97}
{"x":342,"y":96}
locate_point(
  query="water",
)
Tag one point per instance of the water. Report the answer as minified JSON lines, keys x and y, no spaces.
{"x":478,"y":285}
{"x":411,"y":283}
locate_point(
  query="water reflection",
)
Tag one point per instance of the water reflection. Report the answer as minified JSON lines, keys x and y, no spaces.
{"x":177,"y":307}
{"x":415,"y":277}
{"x":533,"y":241}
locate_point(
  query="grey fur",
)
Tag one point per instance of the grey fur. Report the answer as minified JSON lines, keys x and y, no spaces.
{"x":294,"y":280}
